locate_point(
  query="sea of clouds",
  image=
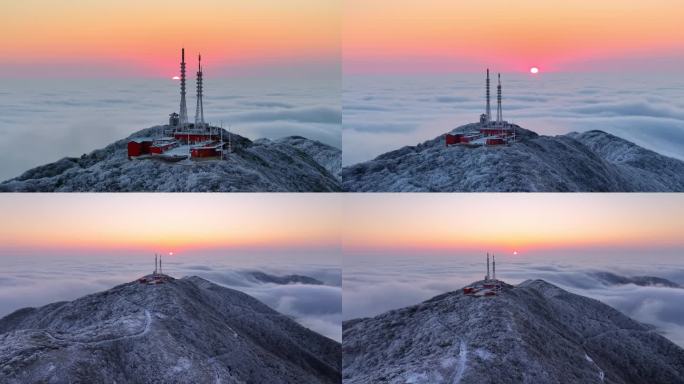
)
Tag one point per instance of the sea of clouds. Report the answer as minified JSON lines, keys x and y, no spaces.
{"x":43,"y":120}
{"x":38,"y":281}
{"x":382,"y":113}
{"x":376,"y":284}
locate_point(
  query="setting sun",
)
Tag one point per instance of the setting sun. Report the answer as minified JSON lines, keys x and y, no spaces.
{"x":534,"y":70}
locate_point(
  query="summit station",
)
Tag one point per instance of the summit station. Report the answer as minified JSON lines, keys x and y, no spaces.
{"x":179,"y":139}
{"x":490,"y":286}
{"x":486,"y":131}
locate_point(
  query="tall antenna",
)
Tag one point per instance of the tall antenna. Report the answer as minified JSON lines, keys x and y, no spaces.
{"x":487,"y":277}
{"x":183,"y":118}
{"x":494,"y":266}
{"x":230,"y":143}
{"x":160,"y":265}
{"x":199,"y":112}
{"x":499,"y":114}
{"x":155,"y":263}
{"x":488,"y":110}
{"x":513,"y":132}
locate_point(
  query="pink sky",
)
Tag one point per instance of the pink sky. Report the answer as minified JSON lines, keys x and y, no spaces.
{"x":170,"y":222}
{"x":130,"y":38}
{"x":385,"y":36}
{"x":508,"y":222}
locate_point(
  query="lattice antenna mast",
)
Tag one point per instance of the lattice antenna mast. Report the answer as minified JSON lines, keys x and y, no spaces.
{"x":493,"y":266}
{"x":488,"y":110}
{"x":155,"y":263}
{"x":183,"y":118}
{"x":487,"y":276}
{"x":223,"y":147}
{"x":499,"y":114}
{"x":230,"y":142}
{"x":199,"y":112}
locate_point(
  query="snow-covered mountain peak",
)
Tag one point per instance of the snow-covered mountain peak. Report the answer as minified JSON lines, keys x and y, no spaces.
{"x":534,"y":332}
{"x":588,"y":161}
{"x":293,"y":164}
{"x":161,"y":329}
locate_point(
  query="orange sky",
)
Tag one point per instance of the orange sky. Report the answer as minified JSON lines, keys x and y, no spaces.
{"x":168,"y":221}
{"x":363,"y":222}
{"x":147,"y":35}
{"x":512,"y":221}
{"x":507,"y":35}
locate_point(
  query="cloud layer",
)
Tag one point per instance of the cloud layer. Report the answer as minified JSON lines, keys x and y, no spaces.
{"x":68,"y":117}
{"x":382,"y":113}
{"x":375,"y":285}
{"x":41,"y":281}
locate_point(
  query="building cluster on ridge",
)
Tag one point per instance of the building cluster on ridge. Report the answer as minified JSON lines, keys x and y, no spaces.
{"x":486,"y":131}
{"x":180,"y":139}
{"x":490,"y":286}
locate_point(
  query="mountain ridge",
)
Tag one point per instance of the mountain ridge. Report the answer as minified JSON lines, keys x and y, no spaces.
{"x":530,"y":333}
{"x":610,"y":278}
{"x":290,"y":164}
{"x":591,"y":161}
{"x":183,"y":330}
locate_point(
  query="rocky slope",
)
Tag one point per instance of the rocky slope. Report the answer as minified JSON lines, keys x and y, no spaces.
{"x":184,"y":331}
{"x":587,"y":162}
{"x":531,"y":333}
{"x":292,"y":164}
{"x":329,"y":157}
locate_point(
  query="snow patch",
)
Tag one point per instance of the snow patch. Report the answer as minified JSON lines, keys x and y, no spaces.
{"x":483,"y":354}
{"x":601,"y":374}
{"x":183,"y":364}
{"x":462,"y":361}
{"x":415,"y":378}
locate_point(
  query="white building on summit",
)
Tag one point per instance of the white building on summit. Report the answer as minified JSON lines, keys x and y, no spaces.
{"x":180,"y":139}
{"x":486,"y":131}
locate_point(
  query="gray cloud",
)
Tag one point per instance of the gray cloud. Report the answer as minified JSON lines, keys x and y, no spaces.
{"x":629,"y":109}
{"x":267,"y":104}
{"x":450,"y":99}
{"x":362,"y":107}
{"x":381,"y":127}
{"x":327,"y":115}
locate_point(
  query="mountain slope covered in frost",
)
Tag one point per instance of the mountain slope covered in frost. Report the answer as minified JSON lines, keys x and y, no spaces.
{"x":534,"y":332}
{"x":183,"y":331}
{"x":291,"y":164}
{"x":575,"y":162}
